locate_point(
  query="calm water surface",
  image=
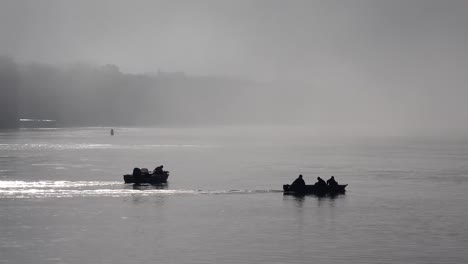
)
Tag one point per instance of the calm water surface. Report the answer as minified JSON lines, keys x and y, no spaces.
{"x":63,"y":200}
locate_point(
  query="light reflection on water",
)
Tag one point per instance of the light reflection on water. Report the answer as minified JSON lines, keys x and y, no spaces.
{"x":63,"y":189}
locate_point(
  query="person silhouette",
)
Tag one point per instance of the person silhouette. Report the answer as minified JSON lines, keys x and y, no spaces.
{"x":158,"y":169}
{"x":320,"y":182}
{"x":137,"y":173}
{"x":332,"y":182}
{"x":298,"y":183}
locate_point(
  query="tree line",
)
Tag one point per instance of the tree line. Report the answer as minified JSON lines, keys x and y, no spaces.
{"x":89,"y":95}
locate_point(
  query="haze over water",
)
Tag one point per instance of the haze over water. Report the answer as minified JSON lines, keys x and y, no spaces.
{"x":63,"y":200}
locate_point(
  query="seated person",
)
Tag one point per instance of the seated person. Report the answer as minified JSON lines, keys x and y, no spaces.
{"x":332,"y":182}
{"x":137,"y":173}
{"x":298,"y":183}
{"x":320,"y":182}
{"x":158,"y":169}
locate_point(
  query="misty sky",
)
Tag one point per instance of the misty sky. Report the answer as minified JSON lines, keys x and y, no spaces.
{"x":267,"y":38}
{"x":406,"y":59}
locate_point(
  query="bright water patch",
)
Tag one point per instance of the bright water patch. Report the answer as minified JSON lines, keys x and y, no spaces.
{"x":53,"y":184}
{"x":63,"y":189}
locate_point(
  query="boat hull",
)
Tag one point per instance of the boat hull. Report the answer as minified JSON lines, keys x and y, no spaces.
{"x":313,"y":189}
{"x":148,"y":178}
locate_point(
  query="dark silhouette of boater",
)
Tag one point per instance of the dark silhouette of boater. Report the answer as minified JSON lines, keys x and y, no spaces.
{"x":137,"y":173}
{"x":320,"y":183}
{"x":332,"y":182}
{"x":112,"y":131}
{"x":158,"y":169}
{"x":298,"y":183}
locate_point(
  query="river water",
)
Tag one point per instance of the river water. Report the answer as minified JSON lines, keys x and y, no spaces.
{"x":63,"y":200}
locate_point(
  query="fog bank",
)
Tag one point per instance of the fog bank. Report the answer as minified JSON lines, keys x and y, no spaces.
{"x":394,"y":67}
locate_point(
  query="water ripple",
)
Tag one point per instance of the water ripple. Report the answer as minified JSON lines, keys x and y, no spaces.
{"x":39,"y":146}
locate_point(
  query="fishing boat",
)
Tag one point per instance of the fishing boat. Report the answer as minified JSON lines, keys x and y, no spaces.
{"x":314,"y":189}
{"x":144,"y":176}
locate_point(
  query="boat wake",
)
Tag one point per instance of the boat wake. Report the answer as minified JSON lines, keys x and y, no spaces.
{"x":70,"y":189}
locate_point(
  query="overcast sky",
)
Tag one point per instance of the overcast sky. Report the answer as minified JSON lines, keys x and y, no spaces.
{"x":250,"y":38}
{"x":407,"y":55}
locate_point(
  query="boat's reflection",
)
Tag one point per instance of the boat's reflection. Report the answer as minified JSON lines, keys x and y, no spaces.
{"x":319,"y":196}
{"x":146,"y":196}
{"x":299,"y":199}
{"x":147,"y":186}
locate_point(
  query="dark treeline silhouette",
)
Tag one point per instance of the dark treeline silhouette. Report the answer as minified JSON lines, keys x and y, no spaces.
{"x":89,"y":95}
{"x":85,"y":95}
{"x":9,"y":92}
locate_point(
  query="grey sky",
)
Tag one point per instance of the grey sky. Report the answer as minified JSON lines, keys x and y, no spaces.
{"x":405,"y":59}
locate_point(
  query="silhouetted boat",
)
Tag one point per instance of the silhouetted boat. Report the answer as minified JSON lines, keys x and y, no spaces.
{"x":145,"y":177}
{"x":313,"y":189}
